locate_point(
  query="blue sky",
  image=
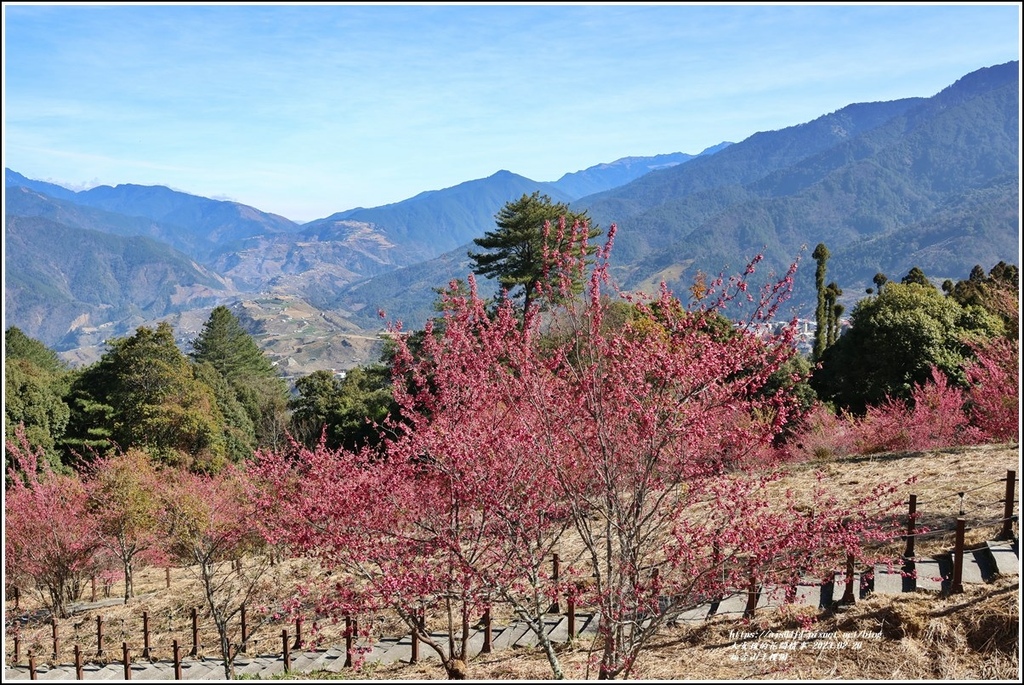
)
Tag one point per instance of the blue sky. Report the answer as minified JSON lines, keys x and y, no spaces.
{"x":306,"y":110}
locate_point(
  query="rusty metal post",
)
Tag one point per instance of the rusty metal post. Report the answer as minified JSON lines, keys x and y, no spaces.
{"x":99,"y":636}
{"x":127,"y":661}
{"x":957,"y":585}
{"x":486,"y":648}
{"x":17,"y":649}
{"x":56,"y":640}
{"x":145,"y":636}
{"x":195,"y":633}
{"x":176,"y":655}
{"x":32,"y":667}
{"x":1007,"y":532}
{"x":848,"y":597}
{"x":298,"y":633}
{"x":79,"y":673}
{"x":287,"y":656}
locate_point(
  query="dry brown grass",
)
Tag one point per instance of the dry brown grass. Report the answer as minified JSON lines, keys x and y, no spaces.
{"x":970,"y":636}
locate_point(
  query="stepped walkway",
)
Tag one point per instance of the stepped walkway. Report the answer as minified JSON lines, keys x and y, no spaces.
{"x":933,"y":574}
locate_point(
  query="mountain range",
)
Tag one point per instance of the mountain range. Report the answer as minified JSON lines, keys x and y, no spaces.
{"x":928,"y":182}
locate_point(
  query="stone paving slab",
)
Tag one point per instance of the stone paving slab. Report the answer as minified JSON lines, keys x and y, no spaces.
{"x":931,"y":574}
{"x":975,"y":569}
{"x":509,"y":635}
{"x":1005,"y":557}
{"x":888,"y":580}
{"x":731,"y":606}
{"x":839,"y":586}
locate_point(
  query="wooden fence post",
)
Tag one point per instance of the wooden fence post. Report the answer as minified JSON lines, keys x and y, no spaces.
{"x":753,"y":595}
{"x":287,"y":656}
{"x":79,"y":674}
{"x":554,"y":576}
{"x":908,"y":552}
{"x":848,"y":597}
{"x":99,"y":636}
{"x":176,"y":655}
{"x":349,"y":626}
{"x":127,"y":661}
{"x":145,"y":636}
{"x":957,"y":586}
{"x":1007,"y":532}
{"x":56,"y":641}
{"x":245,"y":629}
{"x":570,"y":610}
{"x":414,"y":653}
{"x":195,"y":633}
{"x":486,"y":648}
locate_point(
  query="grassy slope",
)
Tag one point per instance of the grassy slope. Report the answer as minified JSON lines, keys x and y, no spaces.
{"x":921,"y":636}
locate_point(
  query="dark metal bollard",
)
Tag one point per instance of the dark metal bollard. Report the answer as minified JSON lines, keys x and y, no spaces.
{"x":957,"y":585}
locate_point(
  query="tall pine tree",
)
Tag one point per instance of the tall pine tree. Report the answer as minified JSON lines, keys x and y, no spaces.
{"x":227,"y":347}
{"x":516,"y":249}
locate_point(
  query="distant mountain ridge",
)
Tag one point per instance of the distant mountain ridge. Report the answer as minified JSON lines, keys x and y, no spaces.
{"x":930,"y":182}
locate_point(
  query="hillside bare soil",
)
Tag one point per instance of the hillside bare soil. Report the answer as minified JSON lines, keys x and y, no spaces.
{"x":922,"y":636}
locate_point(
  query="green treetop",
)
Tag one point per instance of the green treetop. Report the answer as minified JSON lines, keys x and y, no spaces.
{"x":515,"y":253}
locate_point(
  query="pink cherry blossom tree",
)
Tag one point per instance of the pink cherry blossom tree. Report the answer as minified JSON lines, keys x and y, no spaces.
{"x":210,"y":524}
{"x":51,"y":540}
{"x":647,"y":443}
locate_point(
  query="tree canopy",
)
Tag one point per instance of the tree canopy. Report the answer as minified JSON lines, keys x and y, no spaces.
{"x":894,"y":340}
{"x":517,"y":248}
